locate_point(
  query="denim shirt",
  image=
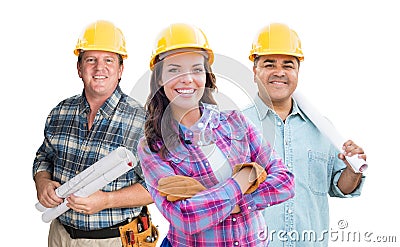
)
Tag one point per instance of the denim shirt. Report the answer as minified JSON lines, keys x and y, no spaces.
{"x":313,"y":159}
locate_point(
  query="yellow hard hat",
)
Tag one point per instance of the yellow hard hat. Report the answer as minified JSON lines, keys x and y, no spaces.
{"x":276,"y":38}
{"x":177,"y":36}
{"x":102,"y":36}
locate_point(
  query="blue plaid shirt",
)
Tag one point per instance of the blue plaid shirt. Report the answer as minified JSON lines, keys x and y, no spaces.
{"x":69,"y":148}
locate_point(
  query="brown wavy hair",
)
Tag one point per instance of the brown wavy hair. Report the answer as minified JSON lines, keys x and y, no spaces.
{"x":158,"y":113}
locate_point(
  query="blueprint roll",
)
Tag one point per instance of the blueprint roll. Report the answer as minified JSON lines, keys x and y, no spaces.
{"x":326,"y":127}
{"x":93,"y":178}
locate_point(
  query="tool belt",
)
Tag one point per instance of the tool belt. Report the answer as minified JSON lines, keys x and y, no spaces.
{"x":140,"y":231}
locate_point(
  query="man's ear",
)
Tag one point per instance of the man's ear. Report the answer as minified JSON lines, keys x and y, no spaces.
{"x":78,"y":67}
{"x":121,"y":69}
{"x":255,"y":74}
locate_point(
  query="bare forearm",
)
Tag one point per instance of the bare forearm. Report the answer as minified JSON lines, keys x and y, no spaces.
{"x":132,"y":196}
{"x":245,"y":178}
{"x":349,"y":181}
{"x":42,"y":175}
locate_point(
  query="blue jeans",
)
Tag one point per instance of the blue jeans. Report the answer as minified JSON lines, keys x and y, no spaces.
{"x":165,"y":243}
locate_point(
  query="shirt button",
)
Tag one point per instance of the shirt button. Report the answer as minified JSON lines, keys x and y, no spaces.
{"x":236,"y":243}
{"x":268,"y":205}
{"x":279,"y":123}
{"x":234,"y":219}
{"x":249,"y":207}
{"x":206,"y":164}
{"x":289,"y":211}
{"x":200,"y":125}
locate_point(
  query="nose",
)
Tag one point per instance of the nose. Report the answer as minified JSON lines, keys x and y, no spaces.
{"x":186,"y":77}
{"x":279,"y":72}
{"x":100,"y":64}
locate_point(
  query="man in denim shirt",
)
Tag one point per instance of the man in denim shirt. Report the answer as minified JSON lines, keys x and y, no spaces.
{"x":319,"y":167}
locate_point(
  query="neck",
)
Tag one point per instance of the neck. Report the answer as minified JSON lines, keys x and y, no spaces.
{"x":282,"y":108}
{"x":95,"y":103}
{"x":187,"y":117}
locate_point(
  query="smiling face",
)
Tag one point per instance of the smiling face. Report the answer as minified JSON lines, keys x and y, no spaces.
{"x":276,"y":77}
{"x":100,"y":72}
{"x":184,"y":79}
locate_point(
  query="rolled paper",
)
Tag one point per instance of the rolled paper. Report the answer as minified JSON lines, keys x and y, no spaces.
{"x":326,"y":128}
{"x":90,"y":180}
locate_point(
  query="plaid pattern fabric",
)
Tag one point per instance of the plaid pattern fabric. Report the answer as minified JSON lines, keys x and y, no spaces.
{"x":69,"y":147}
{"x":206,"y":219}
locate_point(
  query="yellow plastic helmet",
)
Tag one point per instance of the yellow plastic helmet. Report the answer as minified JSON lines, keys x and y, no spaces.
{"x":102,"y":36}
{"x":276,"y":38}
{"x":177,"y":36}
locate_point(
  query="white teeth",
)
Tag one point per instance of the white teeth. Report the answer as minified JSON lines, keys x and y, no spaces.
{"x":277,"y":82}
{"x":185,"y":91}
{"x":99,"y":77}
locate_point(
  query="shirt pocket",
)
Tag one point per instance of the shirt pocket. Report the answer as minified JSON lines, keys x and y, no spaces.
{"x":238,"y":148}
{"x":320,"y":165}
{"x":181,"y":165}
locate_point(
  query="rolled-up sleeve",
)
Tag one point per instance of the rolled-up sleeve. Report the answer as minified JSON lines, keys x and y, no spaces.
{"x":336,"y":192}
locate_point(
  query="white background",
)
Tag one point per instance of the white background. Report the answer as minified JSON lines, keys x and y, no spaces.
{"x":350,"y":72}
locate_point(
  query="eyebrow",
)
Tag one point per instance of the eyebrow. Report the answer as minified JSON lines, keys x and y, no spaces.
{"x":92,"y":56}
{"x":177,"y":65}
{"x":274,"y":61}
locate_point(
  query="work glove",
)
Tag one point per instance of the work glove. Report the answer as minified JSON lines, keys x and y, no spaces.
{"x":261,"y":174}
{"x":179,"y":187}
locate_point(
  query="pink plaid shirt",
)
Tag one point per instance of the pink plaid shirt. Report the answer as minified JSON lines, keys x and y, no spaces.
{"x":206,"y":219}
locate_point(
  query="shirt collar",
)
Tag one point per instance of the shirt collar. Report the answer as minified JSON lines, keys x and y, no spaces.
{"x":182,"y":151}
{"x":296,"y":110}
{"x":107,"y":108}
{"x":201,"y":132}
{"x":263,"y":109}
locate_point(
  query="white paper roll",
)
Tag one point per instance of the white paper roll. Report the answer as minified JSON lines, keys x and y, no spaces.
{"x":93,"y":178}
{"x":327,"y":129}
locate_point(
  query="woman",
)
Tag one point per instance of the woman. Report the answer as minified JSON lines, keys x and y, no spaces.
{"x":205,"y":169}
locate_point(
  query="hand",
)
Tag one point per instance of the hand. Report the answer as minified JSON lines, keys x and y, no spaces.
{"x":45,"y":188}
{"x":236,"y":210}
{"x":88,"y":205}
{"x":179,"y":187}
{"x":349,"y":180}
{"x":257,"y":175}
{"x":349,"y":149}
